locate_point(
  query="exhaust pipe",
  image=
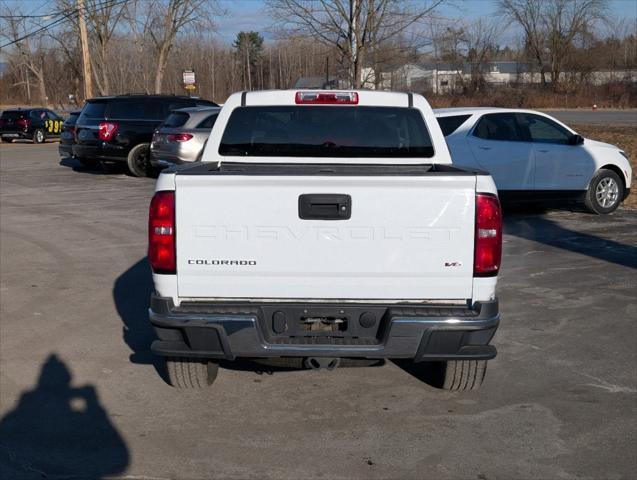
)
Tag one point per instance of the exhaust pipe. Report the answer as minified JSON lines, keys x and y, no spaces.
{"x":318,"y":363}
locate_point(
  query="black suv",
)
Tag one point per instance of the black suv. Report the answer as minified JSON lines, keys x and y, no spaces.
{"x":67,"y":137}
{"x":120,"y":129}
{"x":35,"y":124}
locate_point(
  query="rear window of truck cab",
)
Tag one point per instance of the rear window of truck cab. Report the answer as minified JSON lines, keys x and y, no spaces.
{"x":326,"y":131}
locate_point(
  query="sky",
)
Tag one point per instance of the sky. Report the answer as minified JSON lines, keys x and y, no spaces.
{"x":251,"y":14}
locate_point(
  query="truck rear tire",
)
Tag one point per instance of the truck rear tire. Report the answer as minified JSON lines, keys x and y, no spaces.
{"x":189,"y":373}
{"x":464,"y":375}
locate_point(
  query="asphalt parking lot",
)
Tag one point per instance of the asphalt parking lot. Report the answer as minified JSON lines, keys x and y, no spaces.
{"x":80,"y":396}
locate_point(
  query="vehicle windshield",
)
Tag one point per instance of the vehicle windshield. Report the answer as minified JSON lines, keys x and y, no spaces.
{"x":326,"y":131}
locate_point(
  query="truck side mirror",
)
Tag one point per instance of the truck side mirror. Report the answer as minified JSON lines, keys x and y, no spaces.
{"x":576,"y":140}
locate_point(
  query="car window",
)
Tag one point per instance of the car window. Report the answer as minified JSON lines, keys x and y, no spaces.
{"x":209,"y":121}
{"x":326,"y":131}
{"x":12,"y":115}
{"x":52,"y":116}
{"x":38,"y":114}
{"x":544,"y":130}
{"x":94,"y":109}
{"x":448,"y":125}
{"x":155,"y":109}
{"x":498,"y":126}
{"x":175,"y":119}
{"x":126,"y":110}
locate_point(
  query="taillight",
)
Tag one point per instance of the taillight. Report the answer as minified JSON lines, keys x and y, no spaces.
{"x":23,"y":122}
{"x":107,"y":130}
{"x":179,"y":137}
{"x":327,"y":98}
{"x":488,"y":236}
{"x":161,"y":233}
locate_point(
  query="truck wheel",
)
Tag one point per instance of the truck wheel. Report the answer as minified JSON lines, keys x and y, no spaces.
{"x":604,"y":193}
{"x":464,"y":375}
{"x":139,"y":160}
{"x":39,"y":136}
{"x":188,"y":373}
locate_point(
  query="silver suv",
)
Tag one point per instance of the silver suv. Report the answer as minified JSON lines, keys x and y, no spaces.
{"x":182,"y":136}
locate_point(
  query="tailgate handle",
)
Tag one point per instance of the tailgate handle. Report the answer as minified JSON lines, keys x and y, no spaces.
{"x":325,"y":206}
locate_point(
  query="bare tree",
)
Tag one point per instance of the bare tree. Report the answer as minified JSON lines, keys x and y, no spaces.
{"x":528,"y":14}
{"x":102,"y":18}
{"x":480,"y":39}
{"x":352,"y":27}
{"x":565,"y":20}
{"x":168,"y":19}
{"x":28,"y":53}
{"x":551,"y":26}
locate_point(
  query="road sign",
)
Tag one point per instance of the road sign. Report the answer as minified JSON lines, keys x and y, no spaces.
{"x":189,"y":77}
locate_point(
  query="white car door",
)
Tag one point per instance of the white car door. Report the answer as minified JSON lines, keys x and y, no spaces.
{"x":499,"y":147}
{"x":559,"y":165}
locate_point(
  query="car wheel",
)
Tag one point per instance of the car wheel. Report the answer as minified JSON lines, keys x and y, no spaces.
{"x":464,"y":375}
{"x":188,"y":373}
{"x":8,"y":140}
{"x":604,"y":193}
{"x":139,"y":161}
{"x":39,"y":136}
{"x":88,"y":162}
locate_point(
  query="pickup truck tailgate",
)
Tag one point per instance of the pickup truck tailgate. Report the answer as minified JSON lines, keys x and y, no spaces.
{"x":408,"y":237}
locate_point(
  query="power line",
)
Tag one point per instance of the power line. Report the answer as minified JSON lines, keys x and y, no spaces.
{"x":41,"y":29}
{"x":67,"y":16}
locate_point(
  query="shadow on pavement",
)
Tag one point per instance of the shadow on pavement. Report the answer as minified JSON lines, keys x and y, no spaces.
{"x":57,"y":430}
{"x":131,"y":293}
{"x":431,"y":373}
{"x":76,"y":166}
{"x":544,"y":230}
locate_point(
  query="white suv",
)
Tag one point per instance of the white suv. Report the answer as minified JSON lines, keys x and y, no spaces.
{"x":534,"y":157}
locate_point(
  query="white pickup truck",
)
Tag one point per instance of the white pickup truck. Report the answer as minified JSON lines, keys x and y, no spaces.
{"x":325,"y":225}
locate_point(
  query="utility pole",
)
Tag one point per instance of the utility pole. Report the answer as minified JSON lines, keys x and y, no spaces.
{"x":86,"y":59}
{"x":354,"y":12}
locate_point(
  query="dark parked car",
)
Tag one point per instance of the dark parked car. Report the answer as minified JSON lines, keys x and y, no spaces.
{"x":35,"y":124}
{"x":182,"y":136}
{"x":120,"y":129}
{"x":67,"y":137}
